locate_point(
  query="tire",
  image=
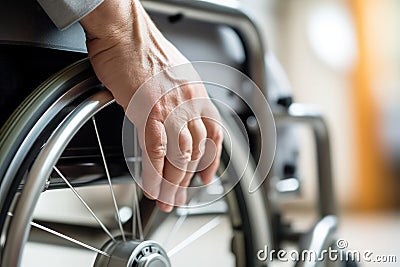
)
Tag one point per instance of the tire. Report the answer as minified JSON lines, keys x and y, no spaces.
{"x":51,"y":129}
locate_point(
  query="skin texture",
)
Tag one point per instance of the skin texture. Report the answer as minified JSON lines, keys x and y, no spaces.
{"x":177,"y":124}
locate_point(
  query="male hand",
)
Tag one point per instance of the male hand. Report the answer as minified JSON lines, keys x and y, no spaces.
{"x":178,"y":127}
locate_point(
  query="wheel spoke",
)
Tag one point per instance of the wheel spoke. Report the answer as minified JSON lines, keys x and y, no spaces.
{"x":68,"y":238}
{"x":153,"y":218}
{"x":84,"y":203}
{"x":137,"y":220}
{"x":138,"y":216}
{"x":109,"y":180}
{"x":51,"y":231}
{"x":196,"y":235}
{"x":178,"y":224}
{"x":134,"y":212}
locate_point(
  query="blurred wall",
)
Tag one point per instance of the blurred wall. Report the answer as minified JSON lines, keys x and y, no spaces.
{"x":318,"y":44}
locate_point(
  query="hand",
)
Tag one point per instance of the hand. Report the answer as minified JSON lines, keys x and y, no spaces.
{"x":178,"y":129}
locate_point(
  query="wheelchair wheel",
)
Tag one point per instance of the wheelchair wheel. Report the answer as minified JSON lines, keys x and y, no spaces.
{"x":65,"y":139}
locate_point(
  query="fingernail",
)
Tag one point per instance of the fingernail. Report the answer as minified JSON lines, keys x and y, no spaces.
{"x":165,"y":207}
{"x":180,"y":198}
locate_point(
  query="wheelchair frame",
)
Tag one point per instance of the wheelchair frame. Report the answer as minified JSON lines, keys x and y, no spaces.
{"x":251,"y":39}
{"x":243,"y":25}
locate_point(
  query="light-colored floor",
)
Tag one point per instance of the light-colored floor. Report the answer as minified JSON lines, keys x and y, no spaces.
{"x":376,"y":233}
{"x":370,"y":235}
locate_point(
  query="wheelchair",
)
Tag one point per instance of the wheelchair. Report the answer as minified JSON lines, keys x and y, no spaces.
{"x":65,"y":185}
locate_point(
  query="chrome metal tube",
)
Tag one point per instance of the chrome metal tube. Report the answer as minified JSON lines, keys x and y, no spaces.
{"x":229,"y":15}
{"x":301,"y":114}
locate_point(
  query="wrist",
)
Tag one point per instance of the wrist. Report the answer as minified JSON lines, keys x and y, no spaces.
{"x":112,"y":19}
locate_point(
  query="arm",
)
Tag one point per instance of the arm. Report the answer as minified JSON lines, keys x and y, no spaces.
{"x":126,"y":49}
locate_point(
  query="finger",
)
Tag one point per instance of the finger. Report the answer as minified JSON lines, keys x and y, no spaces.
{"x":175,"y":166}
{"x":213,"y":147}
{"x":181,"y":194}
{"x":155,"y":143}
{"x":199,"y":135}
{"x":151,"y":179}
{"x":207,"y":175}
{"x":198,"y":132}
{"x":166,"y":199}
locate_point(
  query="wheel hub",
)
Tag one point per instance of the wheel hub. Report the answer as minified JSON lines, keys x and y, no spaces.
{"x":132,"y":253}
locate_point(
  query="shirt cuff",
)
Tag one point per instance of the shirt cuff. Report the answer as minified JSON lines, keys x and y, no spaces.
{"x":64,"y":13}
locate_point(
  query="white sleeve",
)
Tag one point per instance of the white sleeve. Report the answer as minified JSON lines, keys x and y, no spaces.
{"x":64,"y":13}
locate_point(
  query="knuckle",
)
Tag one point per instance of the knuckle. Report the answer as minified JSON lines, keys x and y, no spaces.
{"x":185,"y":142}
{"x":157,"y":108}
{"x":196,"y":154}
{"x":185,"y":157}
{"x":188,"y":91}
{"x":159,"y":111}
{"x":216,"y":134}
{"x":157,"y":151}
{"x":180,"y":160}
{"x":156,"y":142}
